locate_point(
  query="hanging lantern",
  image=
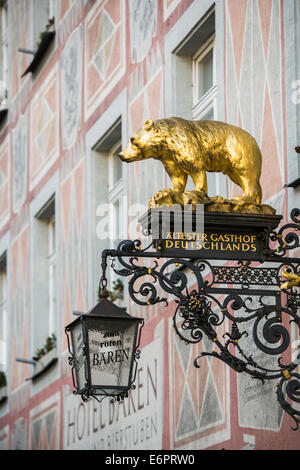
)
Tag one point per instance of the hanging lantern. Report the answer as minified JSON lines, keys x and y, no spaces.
{"x":103,"y":345}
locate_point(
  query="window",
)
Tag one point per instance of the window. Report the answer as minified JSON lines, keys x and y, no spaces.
{"x":114,"y":195}
{"x":115,"y":205}
{"x":3,"y":314}
{"x":44,"y":273}
{"x":3,"y":54}
{"x":204,"y":89}
{"x":108,"y":195}
{"x":43,"y":12}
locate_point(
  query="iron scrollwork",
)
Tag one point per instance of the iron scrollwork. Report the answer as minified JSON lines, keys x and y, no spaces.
{"x":260,"y":303}
{"x":286,"y":238}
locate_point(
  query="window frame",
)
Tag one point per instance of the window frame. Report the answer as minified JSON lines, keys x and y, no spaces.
{"x":52,"y":272}
{"x":201,"y":105}
{"x":4,"y":49}
{"x":4,"y":311}
{"x":44,"y":260}
{"x":35,"y":30}
{"x":112,"y":184}
{"x":97,"y":180}
{"x":114,"y":194}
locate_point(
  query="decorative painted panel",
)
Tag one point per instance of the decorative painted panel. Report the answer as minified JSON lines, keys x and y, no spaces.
{"x":19,"y":435}
{"x":4,"y":438}
{"x":254,"y":85}
{"x":104,"y":51}
{"x":70,"y":15}
{"x":20,"y":161}
{"x":20,"y":308}
{"x":44,"y":131}
{"x":71,"y":88}
{"x":63,"y":8}
{"x":44,"y":425}
{"x":73,"y":246}
{"x":199,"y":410}
{"x":169,"y":7}
{"x":143,"y":26}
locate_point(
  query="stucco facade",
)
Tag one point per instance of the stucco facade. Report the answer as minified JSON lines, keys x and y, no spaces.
{"x":111,"y":65}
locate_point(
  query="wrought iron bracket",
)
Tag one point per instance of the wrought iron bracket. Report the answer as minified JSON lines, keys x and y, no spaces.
{"x":259,"y":300}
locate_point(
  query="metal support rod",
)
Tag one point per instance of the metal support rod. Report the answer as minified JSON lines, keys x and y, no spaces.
{"x":157,"y":254}
{"x":103,"y":293}
{"x":104,"y":256}
{"x":273,"y":259}
{"x":26,"y":361}
{"x":26,"y":51}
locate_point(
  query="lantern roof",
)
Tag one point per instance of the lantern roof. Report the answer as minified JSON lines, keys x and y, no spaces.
{"x":107,"y":309}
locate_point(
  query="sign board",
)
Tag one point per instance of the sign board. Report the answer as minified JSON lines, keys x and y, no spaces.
{"x":189,"y":233}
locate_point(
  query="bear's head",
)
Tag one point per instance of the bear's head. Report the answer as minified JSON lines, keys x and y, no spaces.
{"x":144,"y":144}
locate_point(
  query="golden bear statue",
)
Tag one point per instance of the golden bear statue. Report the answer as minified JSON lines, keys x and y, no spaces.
{"x":193,"y":148}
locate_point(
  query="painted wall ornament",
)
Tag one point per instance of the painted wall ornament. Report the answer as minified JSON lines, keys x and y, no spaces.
{"x":143,"y":24}
{"x":19,"y":435}
{"x":19,"y":162}
{"x":191,"y":148}
{"x":71,"y":79}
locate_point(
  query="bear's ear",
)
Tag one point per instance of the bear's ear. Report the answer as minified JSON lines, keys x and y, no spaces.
{"x":148,"y":124}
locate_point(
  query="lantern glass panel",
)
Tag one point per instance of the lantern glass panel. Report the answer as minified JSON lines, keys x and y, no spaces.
{"x":77,"y":346}
{"x":111,"y":351}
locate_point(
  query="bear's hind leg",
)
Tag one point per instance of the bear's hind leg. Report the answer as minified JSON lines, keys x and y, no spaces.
{"x":251,"y":189}
{"x":200,"y":181}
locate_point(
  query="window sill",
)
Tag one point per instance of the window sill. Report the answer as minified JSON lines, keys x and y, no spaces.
{"x":44,"y":45}
{"x":3,"y":113}
{"x":44,"y":364}
{"x":293,"y":184}
{"x":3,"y":395}
{"x":205,"y":103}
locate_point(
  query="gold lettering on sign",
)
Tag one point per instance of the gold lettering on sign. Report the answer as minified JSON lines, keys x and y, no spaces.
{"x":213,"y":241}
